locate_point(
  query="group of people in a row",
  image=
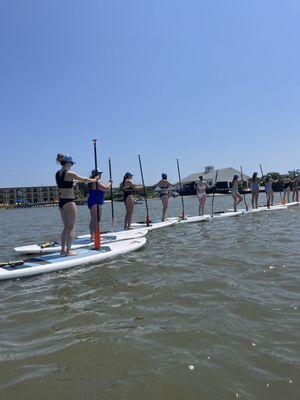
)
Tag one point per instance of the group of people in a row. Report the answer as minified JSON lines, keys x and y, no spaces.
{"x":289,"y":185}
{"x":65,"y":179}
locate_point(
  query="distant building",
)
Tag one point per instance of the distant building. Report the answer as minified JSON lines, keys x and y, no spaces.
{"x":31,"y":195}
{"x":294,"y":171}
{"x":225,"y":176}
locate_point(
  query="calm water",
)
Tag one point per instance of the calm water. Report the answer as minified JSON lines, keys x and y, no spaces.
{"x":204,"y":311}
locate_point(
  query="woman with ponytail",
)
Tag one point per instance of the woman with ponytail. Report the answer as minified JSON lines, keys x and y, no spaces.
{"x":128,"y":188}
{"x":67,"y":207}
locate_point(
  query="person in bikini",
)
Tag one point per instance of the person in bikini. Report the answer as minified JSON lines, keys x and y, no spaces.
{"x":128,"y":188}
{"x":67,"y":207}
{"x":201,"y":187}
{"x":255,"y":183}
{"x":287,"y":184}
{"x":295,"y":188}
{"x":237,"y":197}
{"x":96,"y":196}
{"x":269,"y":190}
{"x":164,"y":186}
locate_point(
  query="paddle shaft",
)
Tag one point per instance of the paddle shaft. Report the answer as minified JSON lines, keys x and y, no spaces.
{"x":145,"y":194}
{"x":111,"y":195}
{"x":181,"y":190}
{"x":242,"y":176}
{"x":97,"y":233}
{"x":262,"y":174}
{"x":213,"y":198}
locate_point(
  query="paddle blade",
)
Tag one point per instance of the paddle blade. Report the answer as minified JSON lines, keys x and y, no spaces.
{"x":148,"y":220}
{"x":97,"y":239}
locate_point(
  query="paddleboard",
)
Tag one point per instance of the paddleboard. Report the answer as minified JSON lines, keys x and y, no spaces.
{"x":56,"y":262}
{"x":293,"y":203}
{"x":154,"y":225}
{"x":197,"y":218}
{"x":261,"y":208}
{"x":81,"y":242}
{"x":223,"y":215}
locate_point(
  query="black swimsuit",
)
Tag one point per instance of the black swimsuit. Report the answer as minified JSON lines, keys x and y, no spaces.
{"x":62,"y":184}
{"x":127,"y":192}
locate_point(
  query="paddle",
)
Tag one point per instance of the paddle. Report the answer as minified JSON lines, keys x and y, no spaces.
{"x":242,"y":176}
{"x":213,"y":198}
{"x":181,"y":190}
{"x":111,"y":197}
{"x":145,"y":194}
{"x":11,"y":263}
{"x":97,"y":238}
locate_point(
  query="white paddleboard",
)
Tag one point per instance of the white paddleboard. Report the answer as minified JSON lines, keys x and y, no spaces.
{"x":196,"y":218}
{"x":227,"y":215}
{"x":81,"y":242}
{"x":261,"y":208}
{"x":153,"y":225}
{"x":56,"y":262}
{"x":293,"y":203}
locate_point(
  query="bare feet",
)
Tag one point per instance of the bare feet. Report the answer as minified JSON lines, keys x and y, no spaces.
{"x":71,"y":253}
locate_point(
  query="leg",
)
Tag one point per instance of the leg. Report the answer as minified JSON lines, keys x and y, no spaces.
{"x":268,"y":199}
{"x":199,"y":204}
{"x":272,"y":198}
{"x":63,"y":234}
{"x":70,"y":211}
{"x":252,"y":200}
{"x":240,"y":199}
{"x":234,"y":202}
{"x":129,"y":204}
{"x":203,"y":201}
{"x":256,"y":198}
{"x":94,"y":219}
{"x":165,"y":201}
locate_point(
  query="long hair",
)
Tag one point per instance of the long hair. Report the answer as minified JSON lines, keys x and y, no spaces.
{"x":124,"y":179}
{"x":254,"y":176}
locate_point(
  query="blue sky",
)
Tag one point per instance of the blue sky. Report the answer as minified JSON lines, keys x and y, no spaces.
{"x":210,"y":82}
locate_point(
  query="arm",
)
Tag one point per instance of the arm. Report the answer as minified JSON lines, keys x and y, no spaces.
{"x":79,"y":178}
{"x":104,"y":187}
{"x":134,"y":186}
{"x":210,"y":186}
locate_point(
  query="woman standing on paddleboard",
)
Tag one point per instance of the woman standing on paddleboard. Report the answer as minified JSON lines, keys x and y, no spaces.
{"x":237,"y":197}
{"x":269,"y":190}
{"x":96,"y":196}
{"x":67,"y":207}
{"x":128,"y":188}
{"x":287,"y":184}
{"x":295,"y":188}
{"x":201,"y":187}
{"x":255,"y":182}
{"x":164,"y":186}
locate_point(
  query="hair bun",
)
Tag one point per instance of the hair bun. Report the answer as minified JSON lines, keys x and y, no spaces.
{"x":60,"y":157}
